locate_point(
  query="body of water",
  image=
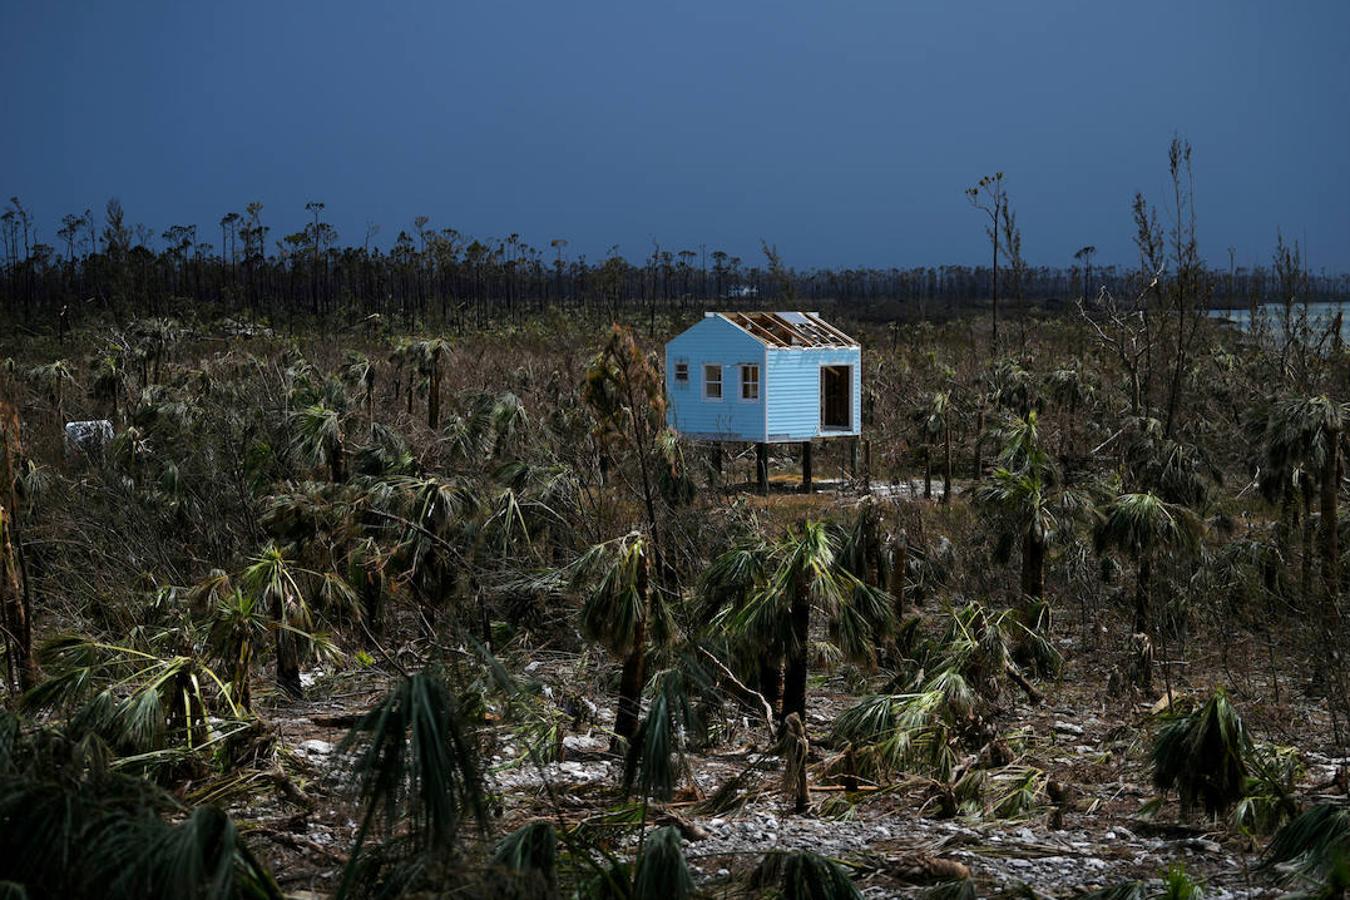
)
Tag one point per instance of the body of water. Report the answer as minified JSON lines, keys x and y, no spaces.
{"x":1319,"y":314}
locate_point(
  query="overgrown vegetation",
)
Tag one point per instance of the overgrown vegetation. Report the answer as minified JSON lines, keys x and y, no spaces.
{"x":437,"y":605}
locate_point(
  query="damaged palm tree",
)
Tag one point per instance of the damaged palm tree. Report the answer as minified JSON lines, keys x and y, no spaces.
{"x":1202,"y":754}
{"x":622,"y":612}
{"x":417,"y":775}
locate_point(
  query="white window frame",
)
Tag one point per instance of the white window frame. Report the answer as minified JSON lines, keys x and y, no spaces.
{"x":682,"y":364}
{"x":745,"y":370}
{"x":721,"y":383}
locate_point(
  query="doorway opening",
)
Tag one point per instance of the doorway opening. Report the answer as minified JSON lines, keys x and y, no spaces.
{"x":836,"y":398}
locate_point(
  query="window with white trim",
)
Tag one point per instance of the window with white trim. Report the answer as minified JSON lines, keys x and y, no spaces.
{"x":712,"y":382}
{"x":749,"y":382}
{"x":682,"y":373}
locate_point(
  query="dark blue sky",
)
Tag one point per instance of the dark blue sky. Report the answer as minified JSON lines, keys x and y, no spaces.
{"x":844,"y":132}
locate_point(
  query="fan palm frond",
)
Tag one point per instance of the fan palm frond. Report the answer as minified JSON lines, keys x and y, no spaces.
{"x":531,"y":851}
{"x":415,"y":763}
{"x":1312,"y":845}
{"x":1203,"y":755}
{"x":662,"y":871}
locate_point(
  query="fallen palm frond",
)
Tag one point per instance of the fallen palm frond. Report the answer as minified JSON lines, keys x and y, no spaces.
{"x":662,"y":871}
{"x":1312,"y":846}
{"x":909,"y":732}
{"x":1019,"y":787}
{"x":1176,"y":885}
{"x":531,"y":853}
{"x":74,"y":827}
{"x":1202,"y":754}
{"x":1269,"y":792}
{"x":137,"y":701}
{"x":802,"y":875}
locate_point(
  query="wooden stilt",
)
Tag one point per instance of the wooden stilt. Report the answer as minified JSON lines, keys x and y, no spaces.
{"x":867,"y":465}
{"x":853,"y":456}
{"x":806,"y":467}
{"x":762,"y":467}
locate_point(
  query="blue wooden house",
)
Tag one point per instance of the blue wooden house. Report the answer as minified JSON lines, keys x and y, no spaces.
{"x":764,"y":378}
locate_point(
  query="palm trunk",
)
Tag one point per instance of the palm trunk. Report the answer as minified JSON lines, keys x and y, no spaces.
{"x":1033,"y":565}
{"x":1331,"y":551}
{"x":635,"y":664}
{"x":1305,"y":579}
{"x":899,"y":568}
{"x":927,"y":472}
{"x":1143,"y":613}
{"x":771,"y":679}
{"x":288,"y":660}
{"x":372,"y":607}
{"x":794,"y":677}
{"x":337,"y":470}
{"x":947,"y":465}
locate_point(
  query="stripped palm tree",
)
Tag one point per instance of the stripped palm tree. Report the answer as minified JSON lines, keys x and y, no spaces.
{"x":1300,"y":440}
{"x":730,"y":582}
{"x":1029,"y":500}
{"x":1144,"y":525}
{"x":318,"y":439}
{"x":805,"y":574}
{"x":437,"y":519}
{"x":359,"y":371}
{"x":272,"y":583}
{"x":621,"y":611}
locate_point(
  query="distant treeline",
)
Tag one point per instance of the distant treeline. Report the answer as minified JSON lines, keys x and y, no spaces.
{"x":442,"y":275}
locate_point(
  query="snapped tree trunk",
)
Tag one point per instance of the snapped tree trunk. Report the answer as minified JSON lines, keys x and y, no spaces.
{"x":927,"y":472}
{"x":15,"y":605}
{"x":372,"y":601}
{"x":977,"y":468}
{"x":434,"y":392}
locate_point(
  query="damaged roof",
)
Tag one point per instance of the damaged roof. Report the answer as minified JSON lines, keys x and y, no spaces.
{"x":788,"y":330}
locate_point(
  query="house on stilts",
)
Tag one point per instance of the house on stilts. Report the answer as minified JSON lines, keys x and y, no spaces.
{"x":764,"y":378}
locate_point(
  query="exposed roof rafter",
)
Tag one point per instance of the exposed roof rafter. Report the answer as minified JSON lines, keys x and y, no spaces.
{"x":789,"y":330}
